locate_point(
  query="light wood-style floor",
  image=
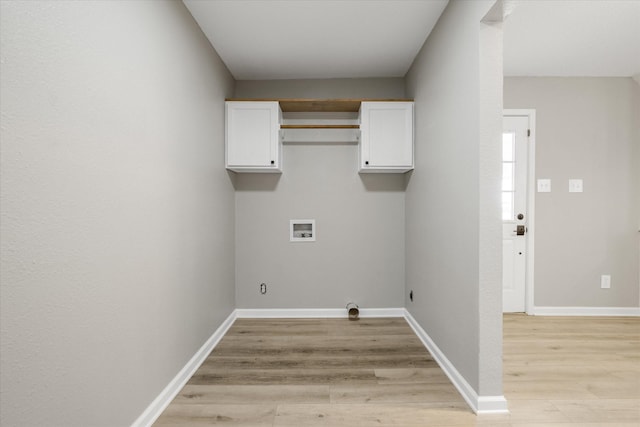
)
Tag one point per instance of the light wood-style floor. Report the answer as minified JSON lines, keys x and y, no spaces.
{"x":562,"y":372}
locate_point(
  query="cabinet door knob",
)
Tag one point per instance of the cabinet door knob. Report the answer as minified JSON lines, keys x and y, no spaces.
{"x":367,"y":162}
{"x":273,"y":162}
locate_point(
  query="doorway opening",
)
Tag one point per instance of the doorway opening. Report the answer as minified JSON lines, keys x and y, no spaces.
{"x":518,"y":210}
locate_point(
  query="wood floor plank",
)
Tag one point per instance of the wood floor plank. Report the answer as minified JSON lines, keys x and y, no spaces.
{"x":318,"y":327}
{"x":365,"y":415}
{"x":396,"y":393}
{"x":319,"y":360}
{"x":574,"y":425}
{"x":558,"y":372}
{"x":600,"y":410}
{"x":194,"y":415}
{"x":614,"y":389}
{"x":537,"y":410}
{"x":430,"y":375}
{"x":256,"y":394}
{"x":371,"y":344}
{"x":584,"y":371}
{"x":545,"y":373}
{"x":206,"y":375}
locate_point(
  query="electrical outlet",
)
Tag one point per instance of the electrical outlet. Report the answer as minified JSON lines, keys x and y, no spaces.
{"x":263,"y":288}
{"x":605,"y":281}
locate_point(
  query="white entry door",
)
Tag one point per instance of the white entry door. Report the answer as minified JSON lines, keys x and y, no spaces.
{"x":514,"y":212}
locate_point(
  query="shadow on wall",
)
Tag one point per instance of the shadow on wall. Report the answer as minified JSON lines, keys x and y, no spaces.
{"x":254,"y":181}
{"x":374,"y":182}
{"x":384,"y":181}
{"x":269,"y":181}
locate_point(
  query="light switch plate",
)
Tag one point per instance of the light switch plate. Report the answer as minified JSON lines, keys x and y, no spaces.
{"x":544,"y":186}
{"x":575,"y":186}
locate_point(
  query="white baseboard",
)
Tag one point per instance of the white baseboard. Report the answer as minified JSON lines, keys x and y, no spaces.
{"x":479,"y":404}
{"x":160,"y":403}
{"x":586,"y":311}
{"x":492,"y":405}
{"x":286,"y":313}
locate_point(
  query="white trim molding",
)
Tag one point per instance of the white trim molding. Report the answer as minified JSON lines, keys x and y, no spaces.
{"x":160,"y":403}
{"x":492,"y":405}
{"x":285,"y":313}
{"x":586,"y":311}
{"x":479,"y":404}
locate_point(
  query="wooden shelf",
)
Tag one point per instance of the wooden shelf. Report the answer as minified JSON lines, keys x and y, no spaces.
{"x":319,"y":126}
{"x":319,"y":105}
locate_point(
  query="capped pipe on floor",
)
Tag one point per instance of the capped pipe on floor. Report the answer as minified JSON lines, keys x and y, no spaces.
{"x":353,"y":311}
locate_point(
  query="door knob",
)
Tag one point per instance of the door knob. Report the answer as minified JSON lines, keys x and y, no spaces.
{"x":520,"y":230}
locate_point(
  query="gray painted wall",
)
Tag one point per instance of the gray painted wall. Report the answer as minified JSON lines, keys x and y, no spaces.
{"x":321,"y":88}
{"x":359,"y":251}
{"x":117,"y":215}
{"x":586,"y":128}
{"x":453,"y":251}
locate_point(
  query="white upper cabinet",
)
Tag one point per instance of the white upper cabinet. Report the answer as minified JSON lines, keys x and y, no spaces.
{"x":386,"y":130}
{"x":254,"y":131}
{"x":253,"y":136}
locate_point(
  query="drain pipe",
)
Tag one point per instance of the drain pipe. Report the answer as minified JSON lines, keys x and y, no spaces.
{"x":353,"y":311}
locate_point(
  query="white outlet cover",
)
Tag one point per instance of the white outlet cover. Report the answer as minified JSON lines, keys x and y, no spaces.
{"x":575,"y":186}
{"x":544,"y":186}
{"x":302,"y":230}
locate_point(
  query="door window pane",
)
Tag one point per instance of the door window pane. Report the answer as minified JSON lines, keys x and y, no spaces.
{"x":508,"y":143}
{"x":508,"y":175}
{"x":507,"y":206}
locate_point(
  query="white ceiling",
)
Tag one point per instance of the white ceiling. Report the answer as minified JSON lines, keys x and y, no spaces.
{"x":573,"y":38}
{"x":296,"y":39}
{"x":288,"y":39}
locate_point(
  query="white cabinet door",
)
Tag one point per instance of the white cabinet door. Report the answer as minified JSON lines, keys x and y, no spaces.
{"x":387,"y":137}
{"x":253,"y":136}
